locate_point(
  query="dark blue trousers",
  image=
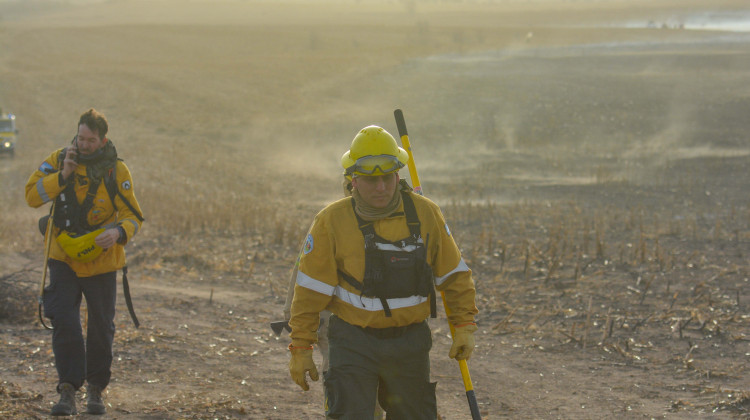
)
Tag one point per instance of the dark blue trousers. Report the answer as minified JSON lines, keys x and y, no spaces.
{"x":75,"y":359}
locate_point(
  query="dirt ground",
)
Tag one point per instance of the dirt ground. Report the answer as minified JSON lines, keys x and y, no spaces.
{"x":591,"y":158}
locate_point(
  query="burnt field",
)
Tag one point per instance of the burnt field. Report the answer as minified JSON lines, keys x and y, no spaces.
{"x":591,"y":159}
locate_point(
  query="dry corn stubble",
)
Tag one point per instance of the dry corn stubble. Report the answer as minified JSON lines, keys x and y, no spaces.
{"x":626,"y":284}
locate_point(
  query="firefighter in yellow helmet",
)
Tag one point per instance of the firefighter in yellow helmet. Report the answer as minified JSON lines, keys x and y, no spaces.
{"x":95,"y":215}
{"x":375,"y":260}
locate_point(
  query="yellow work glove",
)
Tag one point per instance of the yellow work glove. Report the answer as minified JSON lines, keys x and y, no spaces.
{"x":301,"y":364}
{"x":463,"y":341}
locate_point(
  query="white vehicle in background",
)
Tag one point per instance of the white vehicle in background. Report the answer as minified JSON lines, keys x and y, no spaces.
{"x":8,"y":133}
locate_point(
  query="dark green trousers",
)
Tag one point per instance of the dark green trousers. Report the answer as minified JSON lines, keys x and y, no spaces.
{"x":394,"y":367}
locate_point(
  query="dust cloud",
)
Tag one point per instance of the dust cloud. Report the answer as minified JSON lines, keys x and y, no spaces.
{"x":233,"y":115}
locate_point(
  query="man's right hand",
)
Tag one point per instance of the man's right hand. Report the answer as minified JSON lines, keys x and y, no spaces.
{"x":69,"y":163}
{"x":301,"y":364}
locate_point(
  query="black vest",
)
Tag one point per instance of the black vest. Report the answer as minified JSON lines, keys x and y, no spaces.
{"x":395,"y":269}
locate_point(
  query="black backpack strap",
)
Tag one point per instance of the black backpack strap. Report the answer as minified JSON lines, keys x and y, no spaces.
{"x":386,"y":308}
{"x":88,"y":202}
{"x":128,"y":300}
{"x":412,"y":220}
{"x":351,"y":280}
{"x":110,"y":181}
{"x":367,"y":228}
{"x":415,"y":229}
{"x":433,"y":293}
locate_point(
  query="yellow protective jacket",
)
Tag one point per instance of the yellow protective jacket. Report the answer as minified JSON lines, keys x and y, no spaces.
{"x":335,"y":242}
{"x":43,"y":187}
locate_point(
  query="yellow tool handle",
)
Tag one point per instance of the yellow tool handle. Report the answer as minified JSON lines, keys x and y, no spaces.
{"x":401,"y":124}
{"x":47,"y":245}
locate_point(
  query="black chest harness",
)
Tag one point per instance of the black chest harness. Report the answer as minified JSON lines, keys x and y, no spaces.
{"x":72,"y":216}
{"x":397,"y":269}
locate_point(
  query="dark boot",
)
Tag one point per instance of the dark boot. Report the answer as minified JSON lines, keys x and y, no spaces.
{"x":94,"y":404}
{"x":67,"y":404}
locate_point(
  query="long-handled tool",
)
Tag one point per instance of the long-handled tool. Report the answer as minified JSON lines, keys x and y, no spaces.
{"x":47,"y":245}
{"x":401,"y":124}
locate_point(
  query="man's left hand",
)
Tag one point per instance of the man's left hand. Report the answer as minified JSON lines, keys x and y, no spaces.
{"x":108,"y":238}
{"x":463,"y":342}
{"x":301,"y":364}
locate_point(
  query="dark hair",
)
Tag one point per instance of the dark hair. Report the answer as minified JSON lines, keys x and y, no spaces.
{"x":95,"y":121}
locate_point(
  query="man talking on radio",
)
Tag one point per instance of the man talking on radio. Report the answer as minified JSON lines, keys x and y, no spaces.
{"x":95,"y":213}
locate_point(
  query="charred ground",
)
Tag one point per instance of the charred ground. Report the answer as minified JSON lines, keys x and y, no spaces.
{"x":595,"y":178}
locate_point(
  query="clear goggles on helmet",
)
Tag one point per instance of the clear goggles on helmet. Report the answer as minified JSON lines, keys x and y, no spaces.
{"x":375,"y":165}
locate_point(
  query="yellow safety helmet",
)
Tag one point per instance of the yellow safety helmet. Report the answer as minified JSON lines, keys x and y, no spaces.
{"x":81,"y":248}
{"x":373,"y":152}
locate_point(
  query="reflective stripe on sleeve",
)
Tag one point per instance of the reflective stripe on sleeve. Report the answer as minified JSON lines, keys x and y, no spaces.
{"x":461,"y":267}
{"x":40,"y":189}
{"x":315,"y":285}
{"x":374,"y":304}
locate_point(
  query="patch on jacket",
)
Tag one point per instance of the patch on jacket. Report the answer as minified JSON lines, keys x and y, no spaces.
{"x":46,"y":168}
{"x":308,"y":244}
{"x":126,"y":185}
